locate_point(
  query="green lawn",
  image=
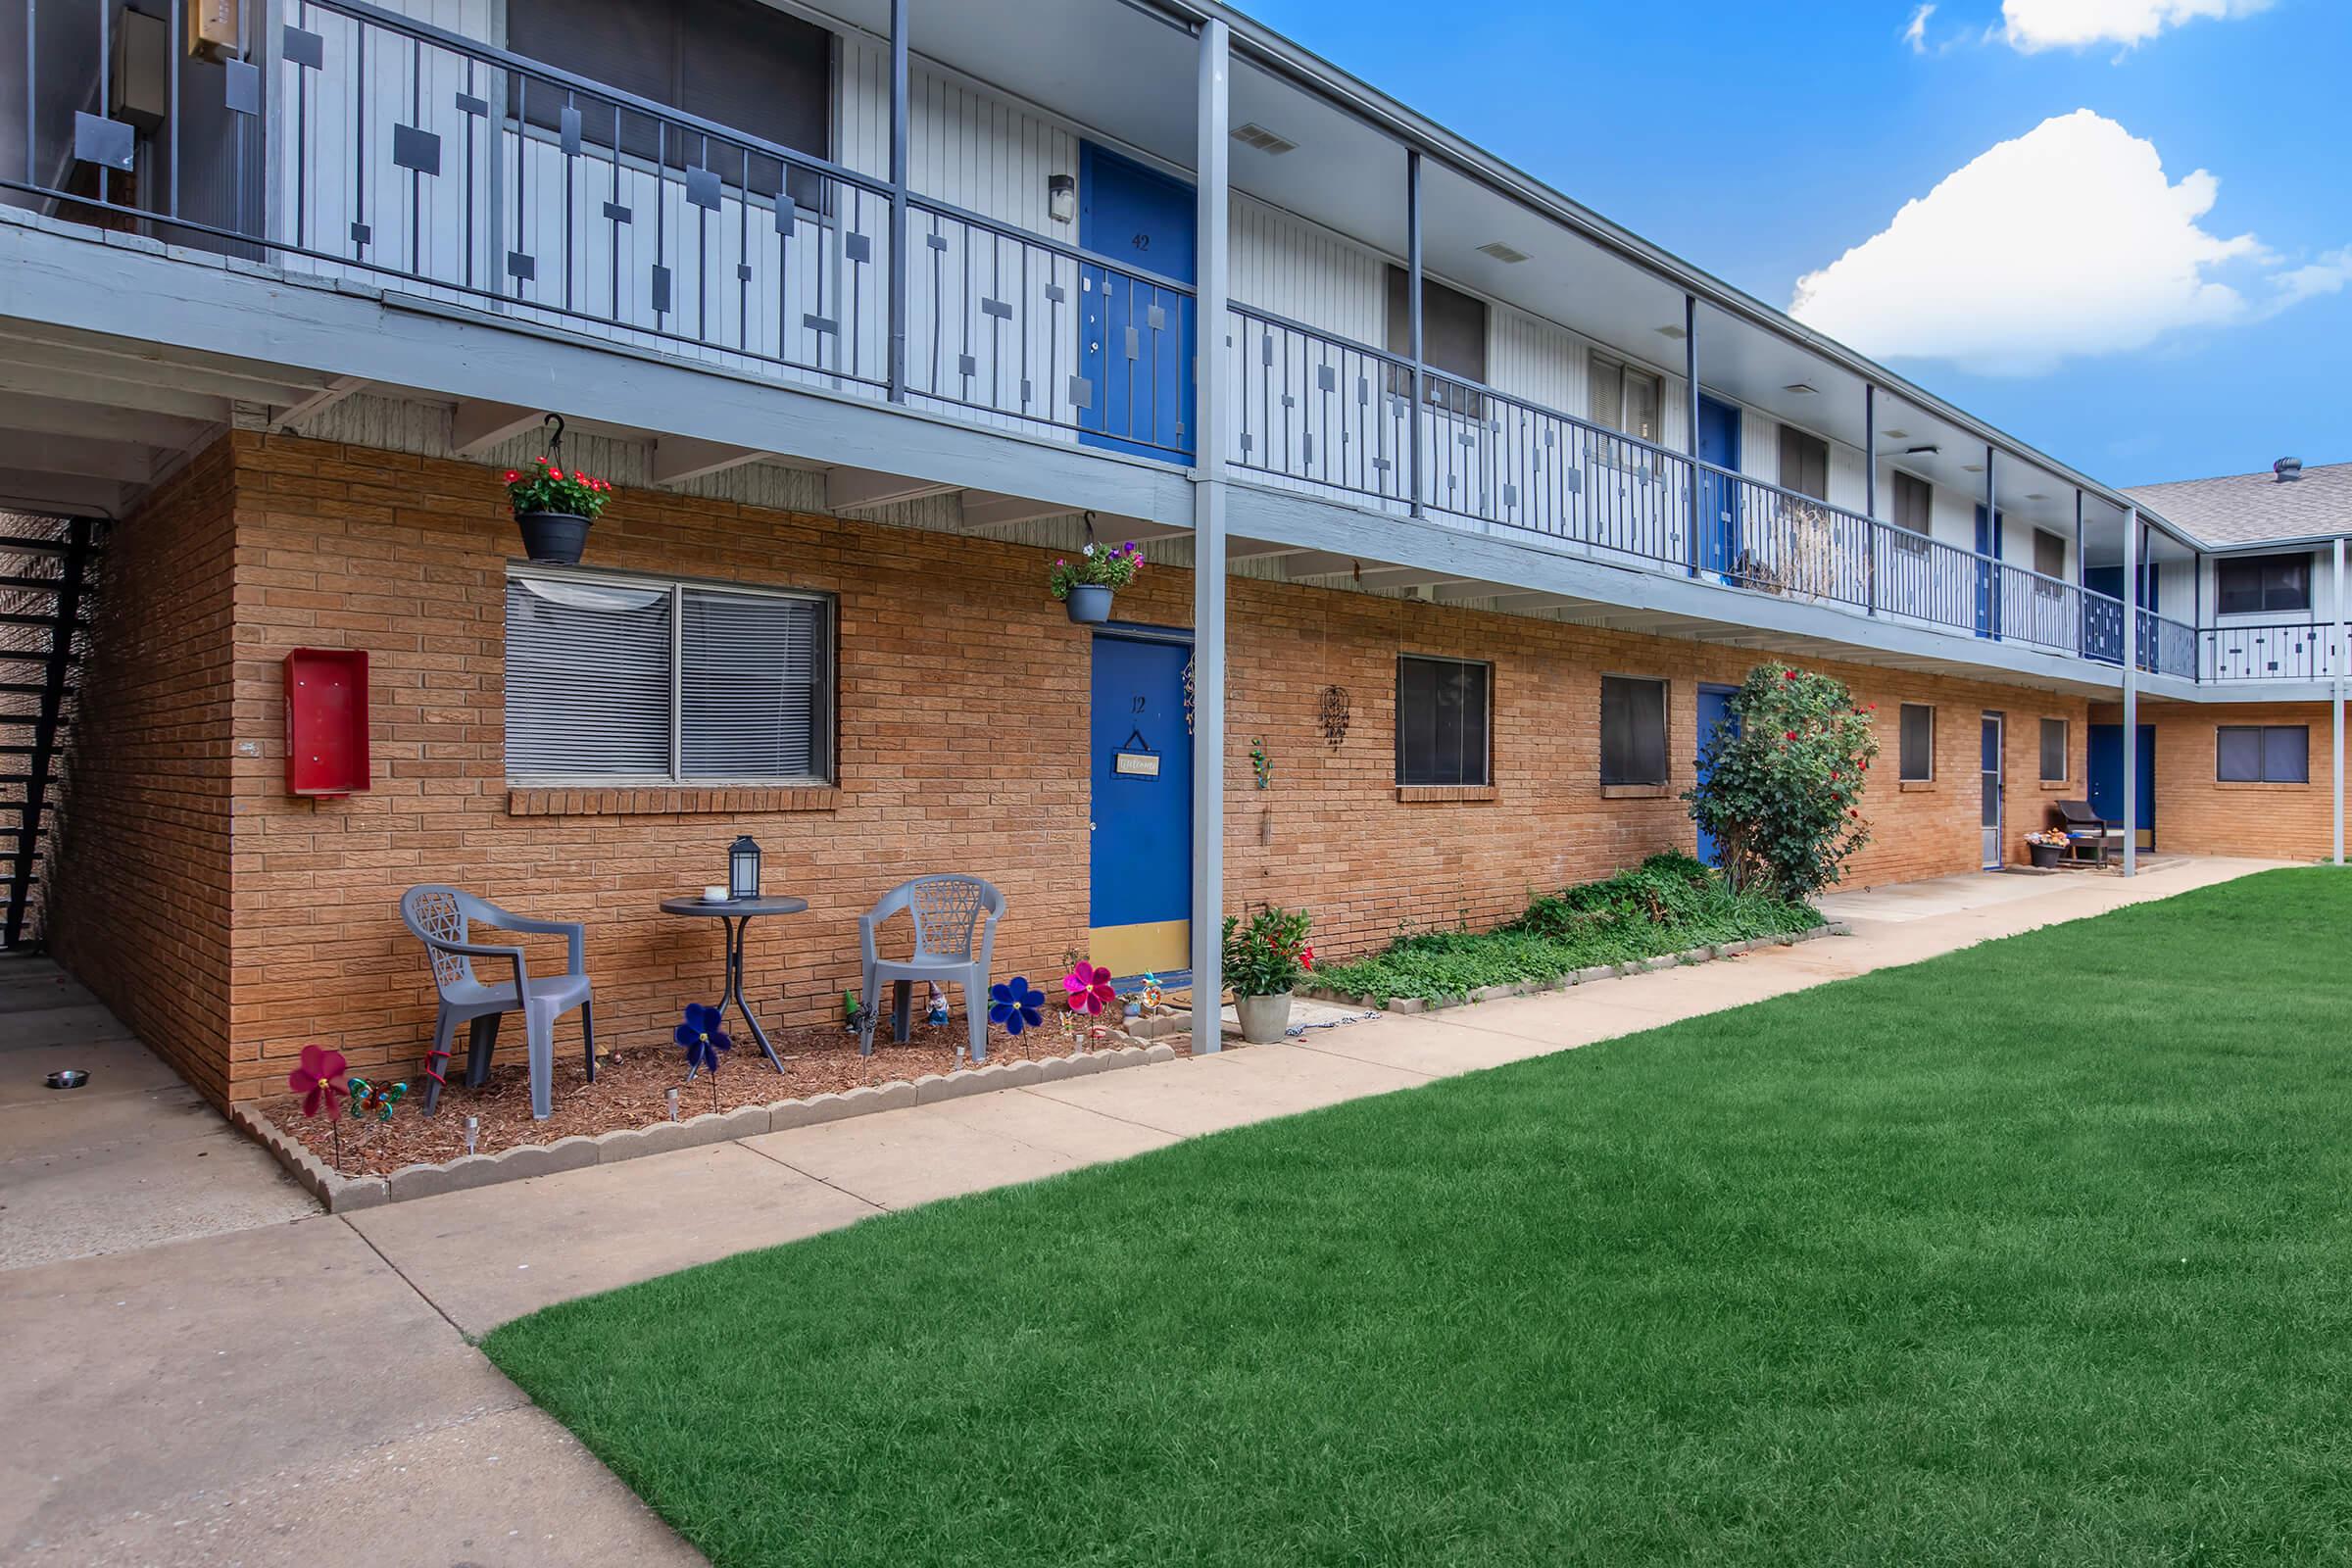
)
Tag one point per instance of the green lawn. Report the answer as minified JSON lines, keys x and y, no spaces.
{"x":2034,"y":1253}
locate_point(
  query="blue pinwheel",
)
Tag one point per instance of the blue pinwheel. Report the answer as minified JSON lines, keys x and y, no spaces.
{"x":1018,"y":1006}
{"x":702,"y":1039}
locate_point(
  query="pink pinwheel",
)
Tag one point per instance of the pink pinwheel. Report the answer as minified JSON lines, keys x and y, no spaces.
{"x":1089,"y":989}
{"x":316,"y":1081}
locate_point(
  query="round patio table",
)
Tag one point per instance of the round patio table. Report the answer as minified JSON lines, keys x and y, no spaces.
{"x":737,"y":915}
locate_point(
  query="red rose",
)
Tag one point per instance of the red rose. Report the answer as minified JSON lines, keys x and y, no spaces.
{"x":1793,"y":734}
{"x":512,"y":477}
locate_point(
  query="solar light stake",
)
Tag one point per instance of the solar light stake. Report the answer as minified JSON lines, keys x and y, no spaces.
{"x":672,"y":1096}
{"x":474,"y":1130}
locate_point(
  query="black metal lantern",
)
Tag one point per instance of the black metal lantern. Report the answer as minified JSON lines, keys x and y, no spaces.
{"x":743,"y":868}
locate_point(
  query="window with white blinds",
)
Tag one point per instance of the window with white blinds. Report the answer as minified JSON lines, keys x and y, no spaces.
{"x":616,"y":678}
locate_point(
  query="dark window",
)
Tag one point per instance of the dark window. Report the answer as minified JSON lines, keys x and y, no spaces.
{"x":1453,"y":338}
{"x":2258,"y":585}
{"x":1914,"y":501}
{"x":1633,"y":730}
{"x":2053,"y":751}
{"x":1627,"y":400}
{"x":2261,"y":754}
{"x":1916,"y":743}
{"x":2049,"y":554}
{"x":1441,"y":722}
{"x":1804,"y":464}
{"x":738,"y":63}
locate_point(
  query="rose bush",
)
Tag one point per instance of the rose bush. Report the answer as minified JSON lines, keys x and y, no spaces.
{"x":1783,"y":780}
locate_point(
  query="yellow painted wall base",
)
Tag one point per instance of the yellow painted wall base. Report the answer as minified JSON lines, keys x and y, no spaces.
{"x":1153,"y":947}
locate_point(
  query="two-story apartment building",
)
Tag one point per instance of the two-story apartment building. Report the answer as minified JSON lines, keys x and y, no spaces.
{"x":1462,"y":506}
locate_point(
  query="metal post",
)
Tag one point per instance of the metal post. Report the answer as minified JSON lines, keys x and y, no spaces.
{"x":1870,"y":497}
{"x":2335,"y":668}
{"x":2082,"y":583}
{"x":898,"y":201}
{"x":1690,"y":415}
{"x":1412,"y":302}
{"x":2131,"y":693}
{"x":1213,"y":214}
{"x":1993,"y":539}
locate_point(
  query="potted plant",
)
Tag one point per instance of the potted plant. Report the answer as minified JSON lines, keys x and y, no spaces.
{"x":553,"y":506}
{"x":1263,"y":961}
{"x":1087,"y":582}
{"x":2046,"y":846}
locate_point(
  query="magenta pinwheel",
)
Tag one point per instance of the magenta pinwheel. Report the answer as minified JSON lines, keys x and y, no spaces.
{"x":1088,"y":988}
{"x":314,"y":1080}
{"x":1016,"y":1005}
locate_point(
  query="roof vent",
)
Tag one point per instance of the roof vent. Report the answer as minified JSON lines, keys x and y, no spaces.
{"x":1506,"y":253}
{"x":2288,"y":470}
{"x":1258,"y":136}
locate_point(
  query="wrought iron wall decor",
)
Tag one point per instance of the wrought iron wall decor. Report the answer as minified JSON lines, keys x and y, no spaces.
{"x":1334,"y":715}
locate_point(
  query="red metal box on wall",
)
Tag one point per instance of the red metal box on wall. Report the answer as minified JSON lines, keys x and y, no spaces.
{"x":327,"y":721}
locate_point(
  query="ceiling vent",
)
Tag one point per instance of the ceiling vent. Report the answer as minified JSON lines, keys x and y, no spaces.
{"x":1266,"y":141}
{"x":1502,"y":253}
{"x":2288,"y":470}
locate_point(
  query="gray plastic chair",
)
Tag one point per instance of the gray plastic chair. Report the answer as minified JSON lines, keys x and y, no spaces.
{"x":441,"y":917}
{"x":946,"y":911}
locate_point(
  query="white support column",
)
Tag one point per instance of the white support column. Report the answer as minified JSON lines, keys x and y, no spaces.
{"x":2131,"y":693}
{"x":2335,"y":671}
{"x":1208,"y":544}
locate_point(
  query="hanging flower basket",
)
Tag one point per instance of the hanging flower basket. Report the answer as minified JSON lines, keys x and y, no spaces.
{"x":553,"y":506}
{"x":1086,"y":582}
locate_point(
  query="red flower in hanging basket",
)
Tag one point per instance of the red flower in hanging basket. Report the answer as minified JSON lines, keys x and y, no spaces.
{"x":314,"y":1080}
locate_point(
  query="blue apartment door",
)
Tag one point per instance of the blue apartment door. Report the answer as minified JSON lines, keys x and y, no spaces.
{"x":1714,"y":708}
{"x":1136,"y":339}
{"x":1141,"y":811}
{"x":1718,"y":495}
{"x":2107,"y":778}
{"x":1989,"y":598}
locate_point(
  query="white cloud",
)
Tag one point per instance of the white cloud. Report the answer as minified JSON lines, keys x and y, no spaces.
{"x":1916,"y":34}
{"x":2036,"y":25}
{"x":2065,"y":241}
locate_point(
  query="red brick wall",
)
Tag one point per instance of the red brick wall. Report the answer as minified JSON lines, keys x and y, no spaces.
{"x":2198,"y":814}
{"x":139,"y":889}
{"x":963,"y":744}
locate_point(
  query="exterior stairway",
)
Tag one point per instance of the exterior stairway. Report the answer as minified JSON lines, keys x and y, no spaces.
{"x":48,"y":578}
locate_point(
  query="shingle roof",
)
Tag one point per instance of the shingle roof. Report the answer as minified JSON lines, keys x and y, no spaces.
{"x":2249,"y":508}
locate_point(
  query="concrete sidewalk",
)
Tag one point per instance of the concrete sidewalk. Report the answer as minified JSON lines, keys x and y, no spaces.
{"x":306,"y":1392}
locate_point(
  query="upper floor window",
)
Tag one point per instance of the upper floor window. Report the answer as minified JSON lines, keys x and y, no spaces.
{"x":1628,"y":399}
{"x":1804,"y":463}
{"x":739,"y":64}
{"x":640,"y":678}
{"x":2049,"y":554}
{"x":1453,"y":338}
{"x":1914,"y":502}
{"x":2262,"y":585}
{"x":1442,"y":721}
{"x":1633,"y":730}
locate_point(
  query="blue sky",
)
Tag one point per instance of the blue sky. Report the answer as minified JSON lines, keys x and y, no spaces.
{"x":1763,"y":141}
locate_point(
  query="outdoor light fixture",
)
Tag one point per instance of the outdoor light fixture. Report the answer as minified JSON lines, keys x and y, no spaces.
{"x":1062,"y":197}
{"x":743,"y":868}
{"x":1802,"y":389}
{"x":1922,"y":451}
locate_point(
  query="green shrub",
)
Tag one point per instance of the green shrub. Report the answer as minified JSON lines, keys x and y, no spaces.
{"x":1665,"y":904}
{"x":1781,"y":786}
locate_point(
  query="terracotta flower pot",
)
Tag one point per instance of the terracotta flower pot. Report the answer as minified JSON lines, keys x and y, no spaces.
{"x":553,"y":538}
{"x":1264,"y":1019}
{"x":1089,"y":604}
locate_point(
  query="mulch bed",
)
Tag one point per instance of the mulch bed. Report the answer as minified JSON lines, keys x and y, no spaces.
{"x":632,"y":1086}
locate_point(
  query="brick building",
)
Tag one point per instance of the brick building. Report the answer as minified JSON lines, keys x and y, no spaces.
{"x":1479,"y":542}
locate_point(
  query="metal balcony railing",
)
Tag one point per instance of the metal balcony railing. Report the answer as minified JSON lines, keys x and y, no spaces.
{"x":419,"y":158}
{"x":2276,"y":651}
